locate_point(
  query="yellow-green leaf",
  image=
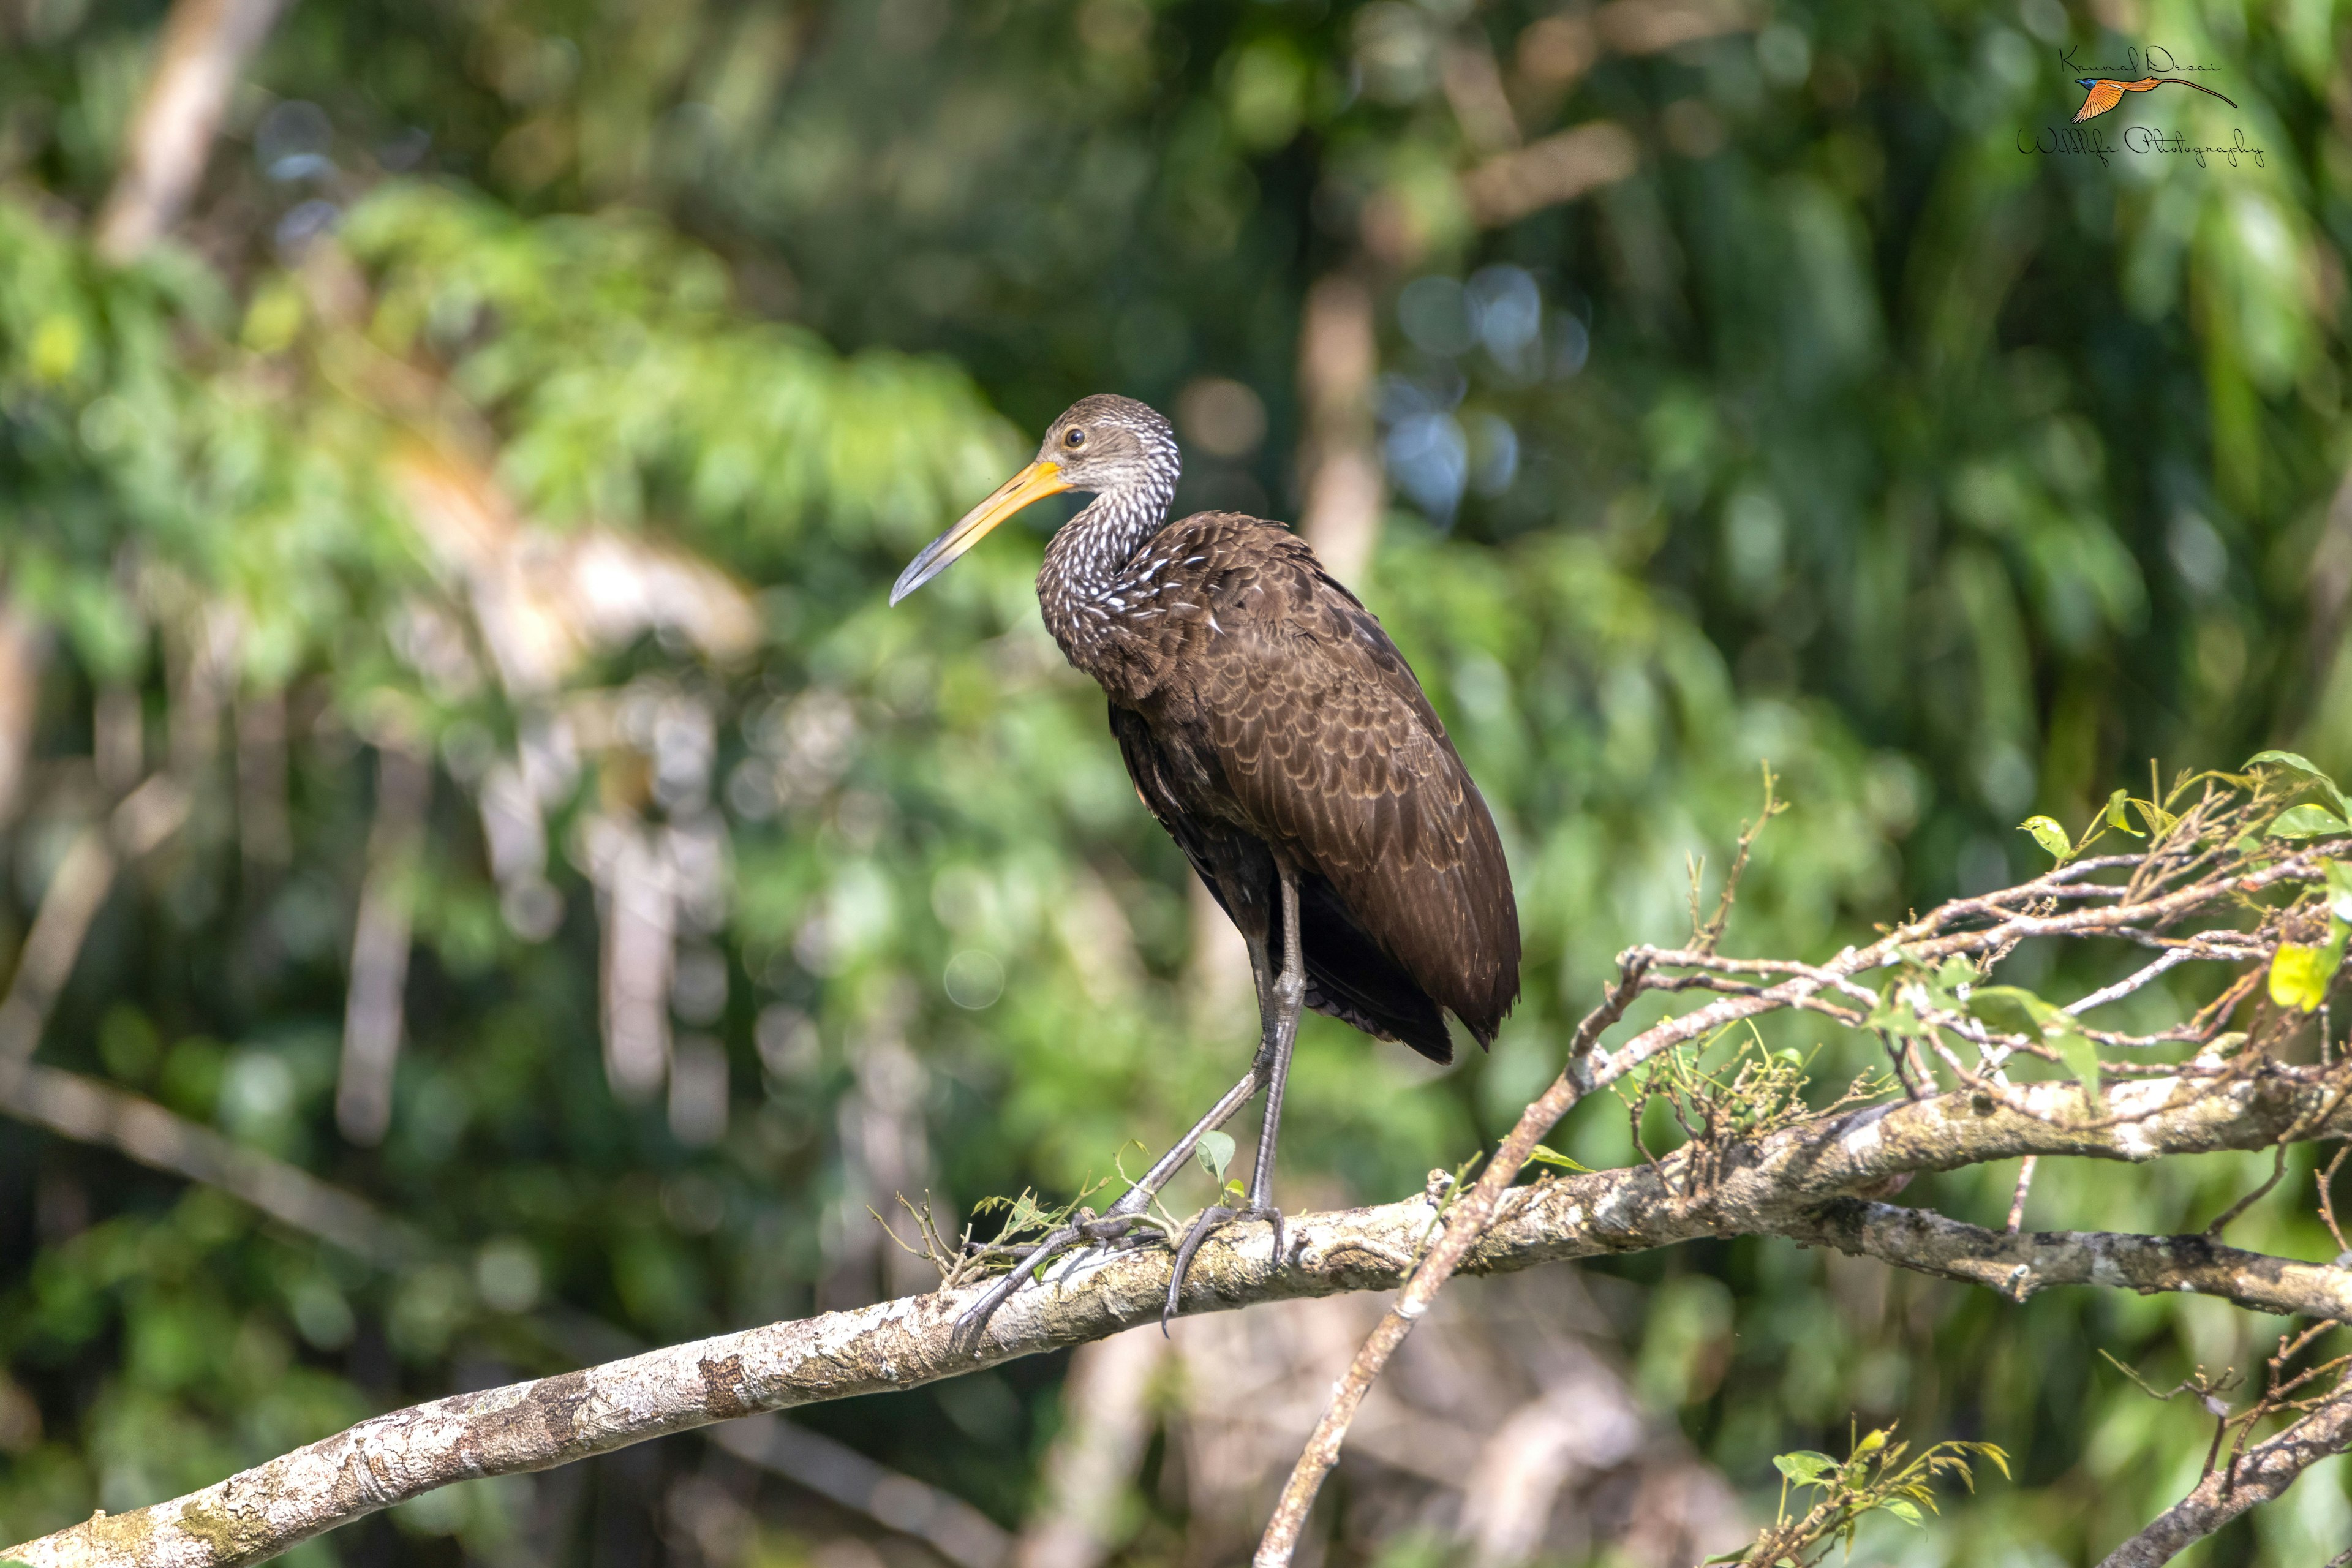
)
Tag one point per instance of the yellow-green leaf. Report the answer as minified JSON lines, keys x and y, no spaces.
{"x":2050,"y":835}
{"x":2306,"y":822}
{"x":2300,"y":974}
{"x":1804,"y":1467}
{"x":2117,"y":818}
{"x":56,"y":349}
{"x":1543,"y":1155}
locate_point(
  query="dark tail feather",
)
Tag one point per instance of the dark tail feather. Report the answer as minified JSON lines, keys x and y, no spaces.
{"x":1350,"y":979}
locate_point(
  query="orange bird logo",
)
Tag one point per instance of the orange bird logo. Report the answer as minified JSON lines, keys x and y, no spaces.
{"x":2105,"y":92}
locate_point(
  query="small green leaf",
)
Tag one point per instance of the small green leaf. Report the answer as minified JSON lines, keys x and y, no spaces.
{"x":1956,"y":971}
{"x":2306,"y":822}
{"x":2011,"y":1009}
{"x":1544,"y":1155}
{"x":2303,"y":764}
{"x":2117,"y":818}
{"x":2081,"y":1057}
{"x":2014,"y":1010}
{"x":2050,"y":835}
{"x":1894,"y":1015}
{"x":1804,"y":1467}
{"x":1871,"y":1444}
{"x":2159,"y":821}
{"x":1908,"y":1513}
{"x":2300,"y":974}
{"x":1216,"y":1152}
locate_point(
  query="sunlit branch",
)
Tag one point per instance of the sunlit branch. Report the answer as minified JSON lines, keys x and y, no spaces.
{"x":2179,"y":876}
{"x":1764,"y":1187}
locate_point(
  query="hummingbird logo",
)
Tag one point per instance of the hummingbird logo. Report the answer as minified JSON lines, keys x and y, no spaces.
{"x":2105,"y":92}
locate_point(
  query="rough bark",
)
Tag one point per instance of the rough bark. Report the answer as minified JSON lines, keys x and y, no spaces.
{"x":1765,"y":1187}
{"x":2261,"y":1475}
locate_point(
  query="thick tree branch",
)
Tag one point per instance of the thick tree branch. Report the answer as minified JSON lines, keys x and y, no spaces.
{"x":2020,"y":1264}
{"x":2260,"y":1475}
{"x":1764,"y":1187}
{"x":89,"y":1110}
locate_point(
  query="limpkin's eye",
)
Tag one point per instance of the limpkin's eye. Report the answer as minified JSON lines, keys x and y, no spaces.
{"x":1074,"y":439}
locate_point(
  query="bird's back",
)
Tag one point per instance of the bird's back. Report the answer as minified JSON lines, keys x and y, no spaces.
{"x":1251,"y":692}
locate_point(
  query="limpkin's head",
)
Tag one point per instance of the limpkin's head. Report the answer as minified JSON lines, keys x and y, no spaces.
{"x":1104,"y":444}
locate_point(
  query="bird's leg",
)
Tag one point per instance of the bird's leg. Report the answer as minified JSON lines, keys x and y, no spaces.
{"x":1117,"y":1222}
{"x":1279,"y":1007}
{"x":1289,"y":996}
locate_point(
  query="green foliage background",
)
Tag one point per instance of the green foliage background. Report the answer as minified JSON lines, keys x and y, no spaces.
{"x":1956,"y":478}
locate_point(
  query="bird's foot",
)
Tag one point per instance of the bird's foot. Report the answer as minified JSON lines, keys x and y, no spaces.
{"x":1210,"y":1221}
{"x":1111,"y":1230}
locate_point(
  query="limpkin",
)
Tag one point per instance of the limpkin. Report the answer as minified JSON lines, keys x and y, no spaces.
{"x":1279,"y":737}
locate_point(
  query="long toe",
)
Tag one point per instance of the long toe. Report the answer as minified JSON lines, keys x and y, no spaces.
{"x":1210,"y":1218}
{"x":1109,"y":1232}
{"x":974,"y":1322}
{"x":1209,"y":1222}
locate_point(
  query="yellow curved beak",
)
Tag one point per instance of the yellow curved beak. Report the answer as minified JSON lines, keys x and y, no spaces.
{"x":1036,"y":482}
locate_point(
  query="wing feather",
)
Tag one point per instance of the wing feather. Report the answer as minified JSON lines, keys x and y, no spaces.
{"x":1328,"y":747}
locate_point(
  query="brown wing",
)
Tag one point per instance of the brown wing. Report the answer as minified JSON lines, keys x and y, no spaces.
{"x":1328,"y":747}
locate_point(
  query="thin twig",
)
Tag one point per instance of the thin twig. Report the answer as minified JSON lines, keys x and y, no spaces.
{"x":2259,"y":1474}
{"x":2327,"y":1201}
{"x":2024,"y":1185}
{"x":2278,"y":1169}
{"x":1465,"y":1223}
{"x":2129,"y":983}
